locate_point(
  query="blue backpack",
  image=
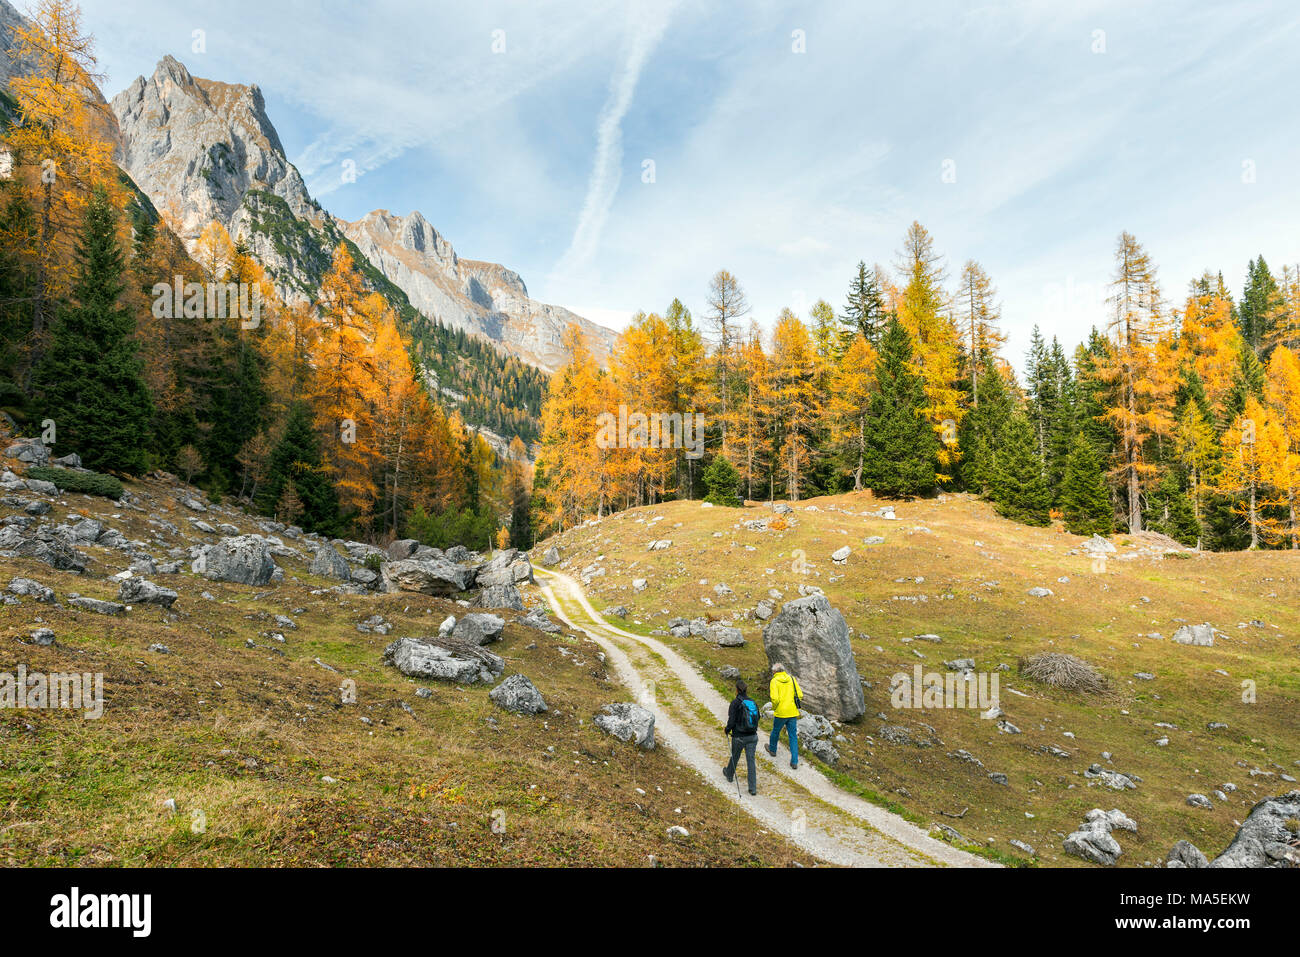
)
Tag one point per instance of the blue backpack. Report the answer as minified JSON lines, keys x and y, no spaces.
{"x":747,"y":722}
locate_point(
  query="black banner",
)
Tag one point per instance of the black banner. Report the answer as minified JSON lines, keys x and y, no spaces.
{"x":331,"y":907}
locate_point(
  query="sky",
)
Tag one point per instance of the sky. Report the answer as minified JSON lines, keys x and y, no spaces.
{"x":617,"y":154}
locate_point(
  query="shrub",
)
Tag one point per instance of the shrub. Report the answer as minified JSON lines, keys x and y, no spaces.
{"x":473,"y":529}
{"x":723,"y":482}
{"x":91,"y":483}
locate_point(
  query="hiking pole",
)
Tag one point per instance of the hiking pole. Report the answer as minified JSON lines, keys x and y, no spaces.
{"x":735,"y":771}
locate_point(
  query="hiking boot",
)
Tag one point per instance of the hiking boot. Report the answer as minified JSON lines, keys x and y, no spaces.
{"x":753,"y":794}
{"x":770,"y":750}
{"x":729,"y":777}
{"x":794,"y":766}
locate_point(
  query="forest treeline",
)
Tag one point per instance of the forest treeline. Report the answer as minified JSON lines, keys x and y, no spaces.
{"x":1178,"y":416}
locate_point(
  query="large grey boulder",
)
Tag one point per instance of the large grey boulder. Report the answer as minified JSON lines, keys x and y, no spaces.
{"x":1264,"y":838}
{"x":628,"y":722}
{"x":364,"y":576}
{"x":1202,"y":635}
{"x":141,"y":591}
{"x":501,"y":596}
{"x":443,"y":659}
{"x":507,"y":567}
{"x":56,"y":553}
{"x":1186,"y":854}
{"x":519,"y":695}
{"x":551,"y":556}
{"x":96,"y":605}
{"x":537,"y":619}
{"x":436,"y":576}
{"x":402,"y":548}
{"x":725,"y":636}
{"x":328,"y":563}
{"x":32,"y":589}
{"x":87,"y":531}
{"x":1093,"y":842}
{"x":242,"y":559}
{"x":1099,"y":546}
{"x":811,"y":639}
{"x":478,"y":628}
{"x":31,"y":451}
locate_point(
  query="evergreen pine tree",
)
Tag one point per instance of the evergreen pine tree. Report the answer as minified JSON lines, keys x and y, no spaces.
{"x":1019,"y":490}
{"x":1090,"y":405}
{"x":902,"y":449}
{"x":297,"y":459}
{"x":1259,"y":304}
{"x":17,"y":224}
{"x":90,"y":380}
{"x":1084,"y":500}
{"x":1172,"y":512}
{"x":238,"y":400}
{"x":1247,"y":383}
{"x":864,"y":312}
{"x":982,"y":428}
{"x":1050,"y":413}
{"x":1060,"y":425}
{"x":723,"y":483}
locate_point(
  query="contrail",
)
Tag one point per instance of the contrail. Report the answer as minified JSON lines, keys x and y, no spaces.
{"x":646,"y":25}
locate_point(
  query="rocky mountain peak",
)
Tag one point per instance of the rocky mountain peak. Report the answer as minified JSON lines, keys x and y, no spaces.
{"x":204,"y":150}
{"x":483,"y":298}
{"x":412,"y":233}
{"x":198,"y":147}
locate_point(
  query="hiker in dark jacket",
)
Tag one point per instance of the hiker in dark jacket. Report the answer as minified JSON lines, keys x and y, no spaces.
{"x":742,"y":725}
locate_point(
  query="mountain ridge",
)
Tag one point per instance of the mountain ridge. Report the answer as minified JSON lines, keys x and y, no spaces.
{"x":206,"y":150}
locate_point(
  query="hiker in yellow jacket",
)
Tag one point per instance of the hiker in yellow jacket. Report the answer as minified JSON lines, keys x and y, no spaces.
{"x":786,"y":696}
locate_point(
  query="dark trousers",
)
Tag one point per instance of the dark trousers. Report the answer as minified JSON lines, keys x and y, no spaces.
{"x":747,"y":743}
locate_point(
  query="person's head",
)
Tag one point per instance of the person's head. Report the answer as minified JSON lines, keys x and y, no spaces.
{"x":742,"y":689}
{"x":777,"y":669}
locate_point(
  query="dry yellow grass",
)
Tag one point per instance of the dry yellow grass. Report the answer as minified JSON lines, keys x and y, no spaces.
{"x":955,"y":569}
{"x":241,"y":739}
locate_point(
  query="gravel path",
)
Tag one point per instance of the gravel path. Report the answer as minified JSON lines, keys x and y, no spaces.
{"x":827,"y":822}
